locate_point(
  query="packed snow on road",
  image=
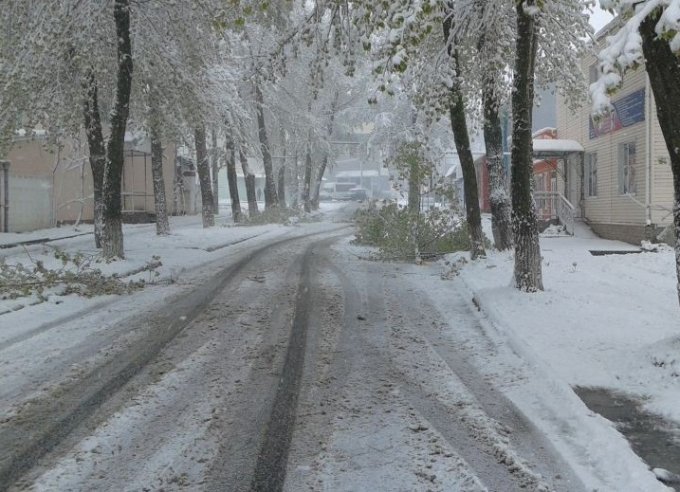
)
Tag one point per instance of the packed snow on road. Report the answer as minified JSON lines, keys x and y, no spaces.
{"x":439,"y":376}
{"x":331,"y":245}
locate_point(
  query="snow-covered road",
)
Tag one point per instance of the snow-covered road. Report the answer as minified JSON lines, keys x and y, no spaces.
{"x":288,"y":362}
{"x":301,"y":367}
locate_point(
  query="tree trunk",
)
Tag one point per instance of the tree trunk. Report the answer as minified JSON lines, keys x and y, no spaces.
{"x":467,"y":163}
{"x":97,"y":148}
{"x":282,"y":170}
{"x":501,"y":209}
{"x":215,"y":174}
{"x":414,"y":188}
{"x":160,"y":203}
{"x":250,"y":185}
{"x":324,"y":163}
{"x":663,"y":67}
{"x":232,"y":180}
{"x":528,"y":274}
{"x":177,"y":189}
{"x":270,"y":197}
{"x":317,"y":183}
{"x":306,"y":186}
{"x":296,"y":177}
{"x":202,"y":166}
{"x":282,"y":186}
{"x":112,"y":229}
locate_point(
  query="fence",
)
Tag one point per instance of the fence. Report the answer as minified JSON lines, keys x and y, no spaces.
{"x":30,"y":203}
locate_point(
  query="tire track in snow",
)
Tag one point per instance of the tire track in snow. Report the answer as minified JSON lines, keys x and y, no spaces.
{"x":40,"y":427}
{"x":270,"y":470}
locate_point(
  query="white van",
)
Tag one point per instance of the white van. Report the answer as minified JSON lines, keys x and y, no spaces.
{"x":336,"y":191}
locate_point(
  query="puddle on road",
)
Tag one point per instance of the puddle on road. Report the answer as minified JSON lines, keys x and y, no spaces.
{"x":655,"y":440}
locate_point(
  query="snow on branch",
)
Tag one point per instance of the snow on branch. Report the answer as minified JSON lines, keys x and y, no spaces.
{"x":624,"y":49}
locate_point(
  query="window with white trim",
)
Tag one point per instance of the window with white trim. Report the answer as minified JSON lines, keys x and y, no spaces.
{"x":594,"y":73}
{"x":591,"y":174}
{"x":627,"y":164}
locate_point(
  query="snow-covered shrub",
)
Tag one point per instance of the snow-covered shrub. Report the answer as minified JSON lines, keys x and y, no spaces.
{"x":273,"y":216}
{"x":400,"y":235}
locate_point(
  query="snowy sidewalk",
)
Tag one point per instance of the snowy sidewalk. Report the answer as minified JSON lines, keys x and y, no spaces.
{"x":606,"y":322}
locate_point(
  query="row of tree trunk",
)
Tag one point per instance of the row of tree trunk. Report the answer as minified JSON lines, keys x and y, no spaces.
{"x":514,"y":222}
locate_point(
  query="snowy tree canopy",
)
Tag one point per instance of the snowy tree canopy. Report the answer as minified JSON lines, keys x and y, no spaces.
{"x":624,"y":49}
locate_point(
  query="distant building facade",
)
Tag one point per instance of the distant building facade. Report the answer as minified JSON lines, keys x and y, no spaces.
{"x":625,"y":180}
{"x":49,"y":185}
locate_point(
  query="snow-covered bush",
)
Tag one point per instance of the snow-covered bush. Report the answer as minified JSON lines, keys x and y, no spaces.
{"x":278,"y":215}
{"x":401,"y":235}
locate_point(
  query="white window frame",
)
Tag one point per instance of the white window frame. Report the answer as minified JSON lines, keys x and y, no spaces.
{"x":593,"y":73}
{"x":627,"y":168}
{"x":591,"y":174}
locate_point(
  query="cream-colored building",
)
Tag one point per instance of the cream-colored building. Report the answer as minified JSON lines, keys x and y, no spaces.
{"x":626,"y":185}
{"x":50,"y":185}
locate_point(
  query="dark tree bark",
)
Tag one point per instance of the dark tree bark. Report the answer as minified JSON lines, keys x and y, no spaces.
{"x":215,"y":173}
{"x":663,"y":67}
{"x":414,"y":183}
{"x":202,"y":166}
{"x":282,"y":186}
{"x":501,"y":209}
{"x":324,"y":162}
{"x":296,"y":178}
{"x":282,"y":171}
{"x":317,"y":183}
{"x":528,"y":274}
{"x":270,"y":197}
{"x":97,"y":151}
{"x":250,"y":185}
{"x":160,"y":203}
{"x":232,"y":180}
{"x":467,"y":163}
{"x":112,"y":229}
{"x":307,"y":184}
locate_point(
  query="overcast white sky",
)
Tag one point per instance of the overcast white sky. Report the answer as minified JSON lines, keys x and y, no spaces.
{"x":599,"y":18}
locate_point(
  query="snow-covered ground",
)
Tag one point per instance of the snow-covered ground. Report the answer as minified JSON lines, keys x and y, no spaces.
{"x":608,"y":321}
{"x":184,"y":250}
{"x":36,"y":357}
{"x":603,"y":321}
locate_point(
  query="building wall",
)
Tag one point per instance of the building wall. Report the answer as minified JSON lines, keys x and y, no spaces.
{"x":662,"y":177}
{"x":67,"y":170}
{"x":611,"y":212}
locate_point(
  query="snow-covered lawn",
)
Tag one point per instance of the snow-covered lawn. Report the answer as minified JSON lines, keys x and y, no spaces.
{"x":609,"y":321}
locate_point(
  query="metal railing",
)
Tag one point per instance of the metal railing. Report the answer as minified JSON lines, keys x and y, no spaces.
{"x":552,"y":205}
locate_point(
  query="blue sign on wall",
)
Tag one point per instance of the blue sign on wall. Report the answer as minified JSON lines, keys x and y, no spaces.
{"x":627,"y":111}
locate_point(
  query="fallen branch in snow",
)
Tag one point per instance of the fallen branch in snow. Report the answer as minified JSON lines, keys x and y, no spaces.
{"x":75,"y":276}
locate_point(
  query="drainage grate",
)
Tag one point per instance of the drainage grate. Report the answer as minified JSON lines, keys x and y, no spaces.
{"x":605,"y":252}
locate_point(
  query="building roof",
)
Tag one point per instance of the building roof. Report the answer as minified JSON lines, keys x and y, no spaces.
{"x":368,"y":173}
{"x":555,"y":148}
